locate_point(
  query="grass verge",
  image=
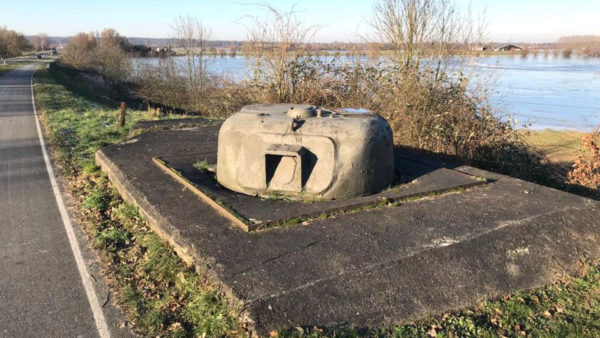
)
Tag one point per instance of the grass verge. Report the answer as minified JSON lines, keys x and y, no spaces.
{"x":157,"y":292}
{"x":4,"y":68}
{"x":163,"y":297}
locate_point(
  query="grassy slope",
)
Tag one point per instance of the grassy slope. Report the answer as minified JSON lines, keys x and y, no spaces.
{"x":163,"y":297}
{"x":561,"y":146}
{"x":157,"y":292}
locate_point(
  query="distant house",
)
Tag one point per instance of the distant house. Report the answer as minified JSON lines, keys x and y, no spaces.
{"x":507,"y":48}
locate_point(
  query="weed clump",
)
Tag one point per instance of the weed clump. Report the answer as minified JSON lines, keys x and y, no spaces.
{"x":203,"y":165}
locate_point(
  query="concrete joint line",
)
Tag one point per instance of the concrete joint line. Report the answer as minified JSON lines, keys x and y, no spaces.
{"x":87,"y":281}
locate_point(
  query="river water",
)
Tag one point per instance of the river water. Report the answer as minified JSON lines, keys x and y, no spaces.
{"x":542,"y":92}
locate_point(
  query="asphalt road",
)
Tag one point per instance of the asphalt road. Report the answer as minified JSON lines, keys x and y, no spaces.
{"x":41,"y":290}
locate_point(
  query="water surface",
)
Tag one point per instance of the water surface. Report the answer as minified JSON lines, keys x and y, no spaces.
{"x":547,"y":92}
{"x":543,"y":92}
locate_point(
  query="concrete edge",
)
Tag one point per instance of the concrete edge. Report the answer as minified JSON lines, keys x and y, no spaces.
{"x":205,"y":198}
{"x":156,"y":222}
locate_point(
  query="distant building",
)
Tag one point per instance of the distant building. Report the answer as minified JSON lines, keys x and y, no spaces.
{"x":507,"y":48}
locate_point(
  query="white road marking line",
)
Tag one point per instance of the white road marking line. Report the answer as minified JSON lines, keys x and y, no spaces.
{"x":81,"y":266}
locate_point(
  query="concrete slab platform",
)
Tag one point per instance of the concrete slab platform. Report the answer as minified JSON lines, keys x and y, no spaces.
{"x":257,"y":213}
{"x":375,"y":267}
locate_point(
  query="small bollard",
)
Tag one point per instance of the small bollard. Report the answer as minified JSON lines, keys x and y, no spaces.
{"x":123,"y":109}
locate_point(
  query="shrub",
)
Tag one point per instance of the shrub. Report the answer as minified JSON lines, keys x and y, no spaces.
{"x":163,"y":83}
{"x":79,"y":52}
{"x":112,"y":62}
{"x":186,"y":85}
{"x":566,"y":53}
{"x":424,"y":90}
{"x":586,"y":170}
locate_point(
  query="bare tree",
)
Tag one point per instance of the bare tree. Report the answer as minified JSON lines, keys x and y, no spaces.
{"x":191,"y":37}
{"x":109,"y":35}
{"x":40,"y":42}
{"x":111,"y":57}
{"x":11,"y":43}
{"x":276,"y":45}
{"x":79,"y":52}
{"x":418,"y":29}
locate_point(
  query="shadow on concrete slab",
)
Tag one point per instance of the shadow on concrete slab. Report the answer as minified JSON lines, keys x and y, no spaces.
{"x":259,"y":213}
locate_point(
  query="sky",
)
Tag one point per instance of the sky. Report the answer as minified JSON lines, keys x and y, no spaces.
{"x":339,"y":20}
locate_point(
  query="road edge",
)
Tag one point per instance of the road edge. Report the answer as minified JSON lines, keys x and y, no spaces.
{"x":86,"y":279}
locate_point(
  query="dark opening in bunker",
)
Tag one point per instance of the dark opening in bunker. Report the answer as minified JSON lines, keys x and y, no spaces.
{"x":283,"y":168}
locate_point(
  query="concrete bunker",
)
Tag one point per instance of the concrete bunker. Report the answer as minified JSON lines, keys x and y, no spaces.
{"x":301,"y":151}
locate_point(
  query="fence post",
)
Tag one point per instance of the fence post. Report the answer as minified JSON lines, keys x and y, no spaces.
{"x":123,"y":109}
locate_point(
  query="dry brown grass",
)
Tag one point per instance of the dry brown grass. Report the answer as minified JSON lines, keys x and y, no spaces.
{"x":586,"y":170}
{"x":163,"y":84}
{"x":560,"y":146}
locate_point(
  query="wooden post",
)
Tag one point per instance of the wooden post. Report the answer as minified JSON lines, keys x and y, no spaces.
{"x":123,"y":109}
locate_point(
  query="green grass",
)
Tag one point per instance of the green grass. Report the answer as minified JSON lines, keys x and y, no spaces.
{"x":202,"y":165}
{"x":4,"y":68}
{"x":161,"y":296}
{"x":157,"y":292}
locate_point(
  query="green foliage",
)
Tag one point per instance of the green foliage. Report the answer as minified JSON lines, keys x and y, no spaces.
{"x":202,"y":165}
{"x":96,"y":199}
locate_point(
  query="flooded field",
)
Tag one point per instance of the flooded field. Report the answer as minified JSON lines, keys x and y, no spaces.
{"x":548,"y":92}
{"x":545,"y":92}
